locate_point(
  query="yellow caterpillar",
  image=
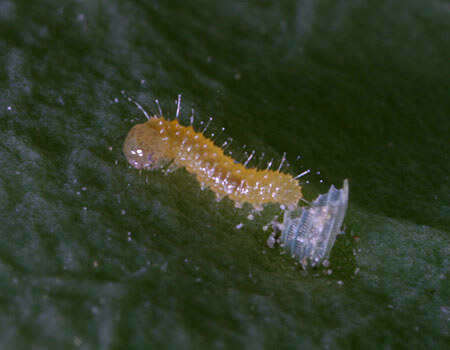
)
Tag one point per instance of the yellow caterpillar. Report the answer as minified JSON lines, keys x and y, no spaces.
{"x":159,"y":142}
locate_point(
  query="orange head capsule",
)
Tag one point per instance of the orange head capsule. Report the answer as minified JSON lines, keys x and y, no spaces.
{"x":145,"y":147}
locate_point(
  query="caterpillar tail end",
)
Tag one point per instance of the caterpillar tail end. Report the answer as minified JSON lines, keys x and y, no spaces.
{"x":309,"y":233}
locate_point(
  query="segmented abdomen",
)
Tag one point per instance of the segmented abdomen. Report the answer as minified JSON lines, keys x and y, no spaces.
{"x":224,"y":175}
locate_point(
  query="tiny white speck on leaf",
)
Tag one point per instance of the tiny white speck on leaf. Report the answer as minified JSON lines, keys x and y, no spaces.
{"x":271,"y":241}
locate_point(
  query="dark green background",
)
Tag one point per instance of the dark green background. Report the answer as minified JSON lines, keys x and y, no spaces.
{"x":360,"y":89}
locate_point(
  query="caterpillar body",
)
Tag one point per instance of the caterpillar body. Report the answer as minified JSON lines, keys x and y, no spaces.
{"x":307,"y":233}
{"x":160,"y":142}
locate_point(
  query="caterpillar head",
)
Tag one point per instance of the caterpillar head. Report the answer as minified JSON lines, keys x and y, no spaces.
{"x":145,"y":148}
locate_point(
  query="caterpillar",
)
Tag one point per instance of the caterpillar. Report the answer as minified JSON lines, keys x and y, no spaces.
{"x":307,"y":233}
{"x":159,"y":142}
